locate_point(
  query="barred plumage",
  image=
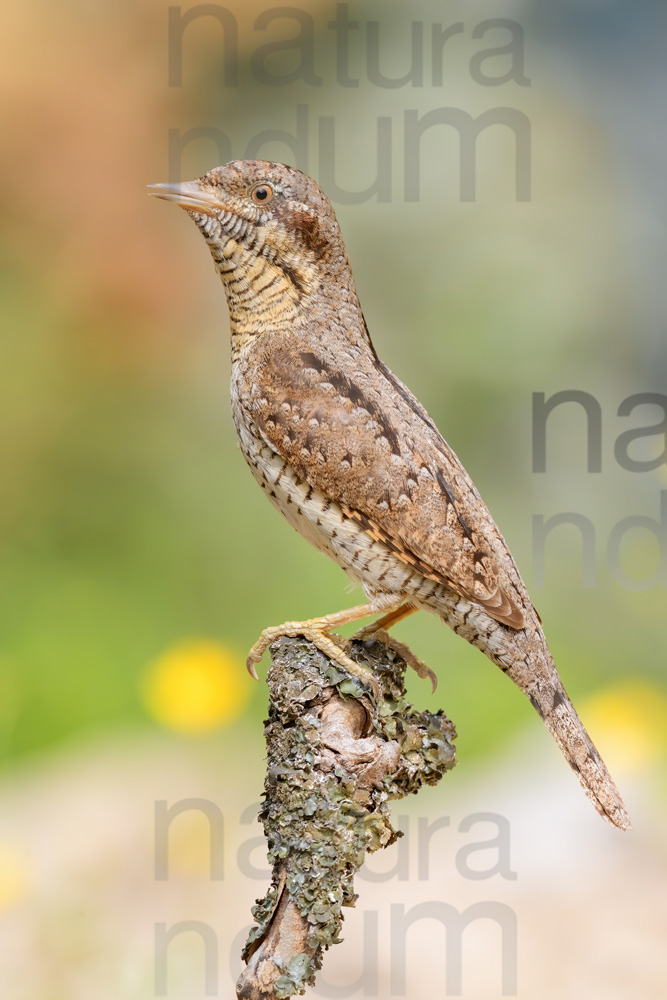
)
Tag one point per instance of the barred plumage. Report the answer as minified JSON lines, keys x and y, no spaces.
{"x":349,"y":456}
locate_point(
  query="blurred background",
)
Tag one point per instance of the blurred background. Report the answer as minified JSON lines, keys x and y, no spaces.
{"x":139,"y":561}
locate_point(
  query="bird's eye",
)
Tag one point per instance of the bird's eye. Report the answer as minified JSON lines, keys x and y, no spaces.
{"x":261,"y":194}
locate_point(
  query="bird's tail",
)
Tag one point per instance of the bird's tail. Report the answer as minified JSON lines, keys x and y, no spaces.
{"x":548,"y":696}
{"x":524,"y":656}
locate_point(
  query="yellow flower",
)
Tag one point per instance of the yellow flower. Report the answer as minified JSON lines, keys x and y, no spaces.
{"x":628,"y":721}
{"x":195,"y":686}
{"x":14,"y":875}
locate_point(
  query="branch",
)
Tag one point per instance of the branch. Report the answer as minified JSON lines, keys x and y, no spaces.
{"x":335,"y":760}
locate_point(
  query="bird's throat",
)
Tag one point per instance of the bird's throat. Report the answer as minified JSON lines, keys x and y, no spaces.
{"x":262,"y":294}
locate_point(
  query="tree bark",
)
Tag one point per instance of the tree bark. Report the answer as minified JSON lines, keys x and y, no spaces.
{"x":335,"y":761}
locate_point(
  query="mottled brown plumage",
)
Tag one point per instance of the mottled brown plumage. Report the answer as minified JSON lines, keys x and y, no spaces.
{"x":349,"y":456}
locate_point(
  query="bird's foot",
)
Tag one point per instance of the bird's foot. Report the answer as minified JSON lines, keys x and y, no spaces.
{"x":320,"y":637}
{"x":318,"y":631}
{"x":379,"y":630}
{"x":373,"y":632}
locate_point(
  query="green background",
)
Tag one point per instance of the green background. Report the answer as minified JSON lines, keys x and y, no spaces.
{"x":129,"y":523}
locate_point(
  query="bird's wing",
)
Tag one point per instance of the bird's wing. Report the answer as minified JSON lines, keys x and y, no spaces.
{"x":368,"y":445}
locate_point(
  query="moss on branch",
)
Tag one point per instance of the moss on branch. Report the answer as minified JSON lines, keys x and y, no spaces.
{"x":335,"y":760}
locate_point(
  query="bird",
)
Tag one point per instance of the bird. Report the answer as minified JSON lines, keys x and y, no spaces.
{"x":351,"y":458}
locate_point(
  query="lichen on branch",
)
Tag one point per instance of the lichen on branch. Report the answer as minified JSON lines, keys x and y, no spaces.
{"x":335,"y":762}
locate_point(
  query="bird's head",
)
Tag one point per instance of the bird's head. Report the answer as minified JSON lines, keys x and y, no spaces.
{"x":254,"y":212}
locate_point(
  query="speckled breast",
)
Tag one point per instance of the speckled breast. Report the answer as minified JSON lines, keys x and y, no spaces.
{"x":320,"y":520}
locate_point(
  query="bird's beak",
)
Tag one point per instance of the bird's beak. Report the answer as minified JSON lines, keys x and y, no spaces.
{"x":189,"y":195}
